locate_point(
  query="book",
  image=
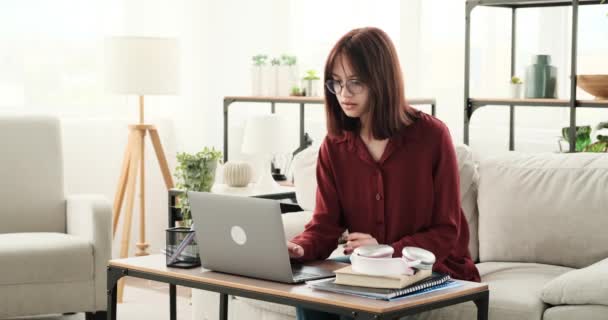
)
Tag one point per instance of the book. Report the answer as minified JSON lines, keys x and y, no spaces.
{"x":347,"y":276}
{"x":435,"y":280}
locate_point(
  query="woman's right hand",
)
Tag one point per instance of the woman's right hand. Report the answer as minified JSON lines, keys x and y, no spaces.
{"x":295,"y":250}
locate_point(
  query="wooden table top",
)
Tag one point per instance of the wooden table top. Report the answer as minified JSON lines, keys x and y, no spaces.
{"x":156,"y":264}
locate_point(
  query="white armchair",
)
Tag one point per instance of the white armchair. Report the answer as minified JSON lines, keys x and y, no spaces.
{"x":53,"y":250}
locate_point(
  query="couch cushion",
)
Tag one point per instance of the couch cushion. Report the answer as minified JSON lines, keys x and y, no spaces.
{"x":44,"y":258}
{"x":469,"y":178}
{"x":305,"y":177}
{"x":586,"y":312}
{"x":31,"y":175}
{"x":588,"y":285}
{"x":545,"y":208}
{"x":514,"y":292}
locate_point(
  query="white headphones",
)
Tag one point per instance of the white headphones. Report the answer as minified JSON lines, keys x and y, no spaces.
{"x":377,"y":260}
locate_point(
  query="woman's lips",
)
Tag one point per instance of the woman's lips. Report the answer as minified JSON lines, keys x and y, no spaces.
{"x":348,"y":105}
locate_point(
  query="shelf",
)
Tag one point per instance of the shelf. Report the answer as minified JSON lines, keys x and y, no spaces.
{"x":528,"y":3}
{"x":313,"y":100}
{"x":537,"y":102}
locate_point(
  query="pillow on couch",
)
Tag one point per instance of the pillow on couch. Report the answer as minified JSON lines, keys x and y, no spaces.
{"x":587,"y":285}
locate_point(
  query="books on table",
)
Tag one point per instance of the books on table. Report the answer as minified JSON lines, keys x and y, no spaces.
{"x":347,"y":276}
{"x":435,"y":282}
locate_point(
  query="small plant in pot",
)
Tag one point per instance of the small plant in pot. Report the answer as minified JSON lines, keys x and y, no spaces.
{"x":516,"y":87}
{"x":311,"y":80}
{"x":195,"y":172}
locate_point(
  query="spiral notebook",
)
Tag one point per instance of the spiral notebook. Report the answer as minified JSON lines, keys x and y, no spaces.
{"x":434,"y":281}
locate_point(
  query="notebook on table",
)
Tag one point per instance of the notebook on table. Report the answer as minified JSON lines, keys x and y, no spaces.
{"x":435,"y":281}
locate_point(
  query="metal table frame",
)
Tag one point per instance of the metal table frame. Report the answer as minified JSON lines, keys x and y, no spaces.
{"x":471,"y":105}
{"x":302,"y":101}
{"x":481,"y":299}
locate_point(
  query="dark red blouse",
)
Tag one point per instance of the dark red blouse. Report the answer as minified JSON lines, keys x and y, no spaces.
{"x":410,"y":197}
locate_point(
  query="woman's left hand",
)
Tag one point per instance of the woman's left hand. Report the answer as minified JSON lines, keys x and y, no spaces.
{"x":356,"y":239}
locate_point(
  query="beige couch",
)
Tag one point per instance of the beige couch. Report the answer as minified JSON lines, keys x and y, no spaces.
{"x":538,"y":231}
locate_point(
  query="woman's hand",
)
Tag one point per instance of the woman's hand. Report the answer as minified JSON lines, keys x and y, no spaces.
{"x":356,"y":239}
{"x":295,"y":250}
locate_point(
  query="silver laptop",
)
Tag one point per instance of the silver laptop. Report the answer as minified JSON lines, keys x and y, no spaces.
{"x":245,"y":236}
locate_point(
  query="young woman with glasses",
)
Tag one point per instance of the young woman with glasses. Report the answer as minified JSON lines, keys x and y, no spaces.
{"x":386,"y":172}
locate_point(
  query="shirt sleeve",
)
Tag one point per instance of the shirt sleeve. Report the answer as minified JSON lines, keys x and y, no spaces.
{"x":442,"y":236}
{"x":320,"y":236}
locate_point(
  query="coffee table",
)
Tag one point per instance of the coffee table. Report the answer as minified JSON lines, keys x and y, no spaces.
{"x":153,"y":267}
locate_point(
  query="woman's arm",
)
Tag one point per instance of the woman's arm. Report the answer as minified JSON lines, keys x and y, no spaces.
{"x":441,"y":236}
{"x":320,"y":237}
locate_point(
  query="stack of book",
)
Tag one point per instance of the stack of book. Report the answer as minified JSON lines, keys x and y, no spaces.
{"x":382,"y":287}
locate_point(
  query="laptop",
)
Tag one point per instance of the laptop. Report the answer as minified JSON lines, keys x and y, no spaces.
{"x":245,"y":236}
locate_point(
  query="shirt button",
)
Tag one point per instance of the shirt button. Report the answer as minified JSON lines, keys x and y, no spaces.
{"x":377,"y":196}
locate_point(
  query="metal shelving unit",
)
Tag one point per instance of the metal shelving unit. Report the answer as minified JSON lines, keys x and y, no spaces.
{"x":471,"y":104}
{"x":302,"y":101}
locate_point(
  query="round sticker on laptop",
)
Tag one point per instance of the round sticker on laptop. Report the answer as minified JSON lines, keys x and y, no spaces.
{"x":238,"y":235}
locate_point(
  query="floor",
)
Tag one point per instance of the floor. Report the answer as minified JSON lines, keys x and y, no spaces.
{"x":143,"y":299}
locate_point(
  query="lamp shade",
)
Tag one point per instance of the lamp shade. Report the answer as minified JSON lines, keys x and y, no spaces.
{"x":142,"y":65}
{"x":265,"y":135}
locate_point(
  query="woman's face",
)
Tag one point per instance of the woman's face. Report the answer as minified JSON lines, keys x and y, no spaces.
{"x":351,"y":93}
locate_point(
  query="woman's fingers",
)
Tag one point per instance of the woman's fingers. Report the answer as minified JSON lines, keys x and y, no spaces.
{"x":295,"y":250}
{"x":351,"y":245}
{"x":357,"y":236}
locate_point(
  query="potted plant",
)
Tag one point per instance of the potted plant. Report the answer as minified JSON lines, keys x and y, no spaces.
{"x":296,"y":91}
{"x":311,"y":80}
{"x":516,"y":87}
{"x":272,"y":88}
{"x":601,"y":145}
{"x":257,"y":81}
{"x":195,"y":172}
{"x":288,"y":74}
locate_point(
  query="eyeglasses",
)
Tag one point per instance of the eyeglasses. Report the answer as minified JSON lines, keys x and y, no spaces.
{"x":353,"y":86}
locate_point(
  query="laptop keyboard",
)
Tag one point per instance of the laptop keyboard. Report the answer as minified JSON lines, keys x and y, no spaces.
{"x":298,"y":274}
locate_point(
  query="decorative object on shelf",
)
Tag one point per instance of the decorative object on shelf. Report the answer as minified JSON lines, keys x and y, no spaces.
{"x":516,"y":87}
{"x":594,"y":84}
{"x":583,"y":137}
{"x":311,"y":83}
{"x":257,"y":79}
{"x":195,"y":172}
{"x":601,"y":145}
{"x":541,"y":78}
{"x":263,"y":138}
{"x":287,"y":75}
{"x":181,"y":249}
{"x":237,"y":174}
{"x":296,"y":91}
{"x":140,"y":66}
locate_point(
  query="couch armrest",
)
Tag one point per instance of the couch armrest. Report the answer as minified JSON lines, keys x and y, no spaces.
{"x":587,"y":285}
{"x":89,"y":217}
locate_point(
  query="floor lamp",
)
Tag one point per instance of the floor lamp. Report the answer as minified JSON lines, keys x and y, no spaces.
{"x":139,"y":66}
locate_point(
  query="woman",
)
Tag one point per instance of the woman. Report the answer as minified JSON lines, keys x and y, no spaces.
{"x":386,"y":172}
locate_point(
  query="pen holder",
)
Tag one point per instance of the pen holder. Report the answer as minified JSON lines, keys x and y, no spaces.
{"x":181,"y":249}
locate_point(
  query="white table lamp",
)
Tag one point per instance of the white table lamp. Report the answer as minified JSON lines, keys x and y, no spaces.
{"x":264,"y":137}
{"x":139,"y":66}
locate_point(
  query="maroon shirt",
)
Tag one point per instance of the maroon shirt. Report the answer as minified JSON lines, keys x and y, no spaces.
{"x":410,"y":197}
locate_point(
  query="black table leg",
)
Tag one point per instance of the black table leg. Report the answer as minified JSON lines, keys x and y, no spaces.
{"x":113,"y":275}
{"x":223,"y":306}
{"x":172,"y":306}
{"x":482,"y":306}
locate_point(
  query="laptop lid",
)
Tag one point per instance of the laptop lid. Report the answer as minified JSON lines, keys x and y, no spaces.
{"x":241,"y":235}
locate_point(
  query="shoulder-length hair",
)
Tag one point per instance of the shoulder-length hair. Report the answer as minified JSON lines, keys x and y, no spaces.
{"x":373,"y":57}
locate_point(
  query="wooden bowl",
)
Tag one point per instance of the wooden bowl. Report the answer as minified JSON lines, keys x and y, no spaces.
{"x":595,"y":84}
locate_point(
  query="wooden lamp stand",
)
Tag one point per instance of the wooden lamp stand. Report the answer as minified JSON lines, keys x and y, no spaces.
{"x":134,"y":158}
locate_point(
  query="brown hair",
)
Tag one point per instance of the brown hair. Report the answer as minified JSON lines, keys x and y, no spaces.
{"x":373,"y":57}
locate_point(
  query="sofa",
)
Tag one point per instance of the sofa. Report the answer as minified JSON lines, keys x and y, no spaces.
{"x":538,"y":234}
{"x":54,"y":248}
